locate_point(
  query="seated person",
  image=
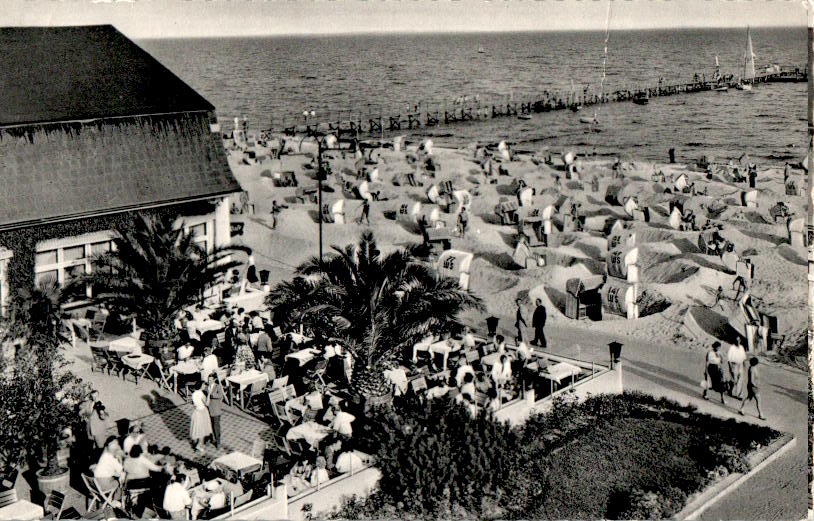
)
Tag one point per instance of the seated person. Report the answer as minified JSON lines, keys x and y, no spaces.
{"x":332,"y":450}
{"x":257,"y":322}
{"x":494,"y":402}
{"x":319,"y":474}
{"x":134,"y":437}
{"x":463,"y":369}
{"x":296,"y":478}
{"x":176,"y":497}
{"x":109,"y":471}
{"x":468,"y":388}
{"x":137,"y":466}
{"x":466,"y":400}
{"x":523,"y":351}
{"x":348,"y":461}
{"x":501,"y":344}
{"x":443,"y":389}
{"x":342,"y":423}
{"x":98,"y":424}
{"x":502,"y":371}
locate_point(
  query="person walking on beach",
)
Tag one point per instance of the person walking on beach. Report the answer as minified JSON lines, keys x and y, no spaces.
{"x":752,"y":388}
{"x":719,"y":296}
{"x":214,"y":399}
{"x":463,"y":221}
{"x":520,"y":320}
{"x":365,"y":212}
{"x":538,"y":322}
{"x":713,"y":375}
{"x":200,"y":425}
{"x":740,"y":282}
{"x":275,"y":209}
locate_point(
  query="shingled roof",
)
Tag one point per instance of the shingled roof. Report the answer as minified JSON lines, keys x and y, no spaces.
{"x":72,"y":170}
{"x":50,"y":74}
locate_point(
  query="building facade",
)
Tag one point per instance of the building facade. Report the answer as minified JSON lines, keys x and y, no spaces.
{"x":92,"y":130}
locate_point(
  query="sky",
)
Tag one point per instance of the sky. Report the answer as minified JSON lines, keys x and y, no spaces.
{"x":199,"y":18}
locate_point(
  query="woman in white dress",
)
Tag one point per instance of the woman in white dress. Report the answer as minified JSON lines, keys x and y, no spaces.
{"x":201,"y":425}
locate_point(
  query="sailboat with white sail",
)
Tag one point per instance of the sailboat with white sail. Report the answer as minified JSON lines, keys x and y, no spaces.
{"x":748,"y":75}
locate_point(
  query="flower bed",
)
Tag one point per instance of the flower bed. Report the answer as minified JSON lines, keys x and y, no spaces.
{"x":627,"y":456}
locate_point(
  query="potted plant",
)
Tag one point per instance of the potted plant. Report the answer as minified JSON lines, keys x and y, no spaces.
{"x":39,"y":399}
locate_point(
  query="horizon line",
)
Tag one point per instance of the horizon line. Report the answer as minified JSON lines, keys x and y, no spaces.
{"x":452,"y":32}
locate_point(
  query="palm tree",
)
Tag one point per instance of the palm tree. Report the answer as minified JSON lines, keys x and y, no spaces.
{"x":155,"y":270}
{"x":374,"y":305}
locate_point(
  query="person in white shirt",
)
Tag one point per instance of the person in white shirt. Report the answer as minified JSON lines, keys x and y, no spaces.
{"x":185,"y":352}
{"x":463,"y":370}
{"x":523,"y":351}
{"x":494,"y":401}
{"x":135,"y":436}
{"x":469,"y":339}
{"x":735,"y":358}
{"x":341,"y":423}
{"x":468,"y":388}
{"x":176,"y":498}
{"x":442,"y":390}
{"x":109,"y":470}
{"x":209,"y":364}
{"x":138,"y":466}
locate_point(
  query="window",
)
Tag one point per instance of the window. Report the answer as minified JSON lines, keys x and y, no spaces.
{"x":201,"y":236}
{"x":46,"y":277}
{"x":64,"y":264}
{"x":74,"y":253}
{"x":46,"y":257}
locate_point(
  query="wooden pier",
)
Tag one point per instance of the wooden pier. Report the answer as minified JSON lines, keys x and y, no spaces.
{"x":372,"y":123}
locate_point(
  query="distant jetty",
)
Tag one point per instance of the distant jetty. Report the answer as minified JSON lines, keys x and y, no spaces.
{"x":371,"y":122}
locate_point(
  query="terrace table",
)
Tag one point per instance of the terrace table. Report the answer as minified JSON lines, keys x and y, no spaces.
{"x":237,"y":462}
{"x":310,"y":431}
{"x":126,"y":344}
{"x":298,"y":338}
{"x":300,"y":403}
{"x":186,"y":367}
{"x":303,"y":356}
{"x":561,"y":370}
{"x":443,"y":347}
{"x":22,"y":510}
{"x":245,"y":379}
{"x":138,"y":362}
{"x":205,"y":325}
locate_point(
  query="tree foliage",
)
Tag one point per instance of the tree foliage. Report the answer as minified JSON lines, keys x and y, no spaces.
{"x":373,"y":304}
{"x":606,"y":457}
{"x":154,"y":270}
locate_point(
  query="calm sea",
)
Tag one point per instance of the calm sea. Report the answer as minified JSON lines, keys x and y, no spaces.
{"x":272,"y":80}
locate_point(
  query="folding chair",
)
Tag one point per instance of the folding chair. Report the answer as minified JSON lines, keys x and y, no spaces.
{"x":97,"y":325}
{"x":279,"y":383}
{"x":95,"y":494}
{"x":255,"y":390}
{"x":290,"y":392}
{"x":8,"y":497}
{"x":419,"y":384}
{"x":276,"y":396}
{"x":116,"y":364}
{"x":284,"y":416}
{"x":161,"y":378}
{"x":99,"y":360}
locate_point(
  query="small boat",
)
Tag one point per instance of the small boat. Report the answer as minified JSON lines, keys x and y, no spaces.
{"x":481,"y":51}
{"x":744,"y":86}
{"x":722,"y":88}
{"x":589,"y":120}
{"x":641,"y":98}
{"x":524,"y":116}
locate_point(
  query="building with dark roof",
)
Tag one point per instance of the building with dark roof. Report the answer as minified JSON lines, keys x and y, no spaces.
{"x":93,"y":128}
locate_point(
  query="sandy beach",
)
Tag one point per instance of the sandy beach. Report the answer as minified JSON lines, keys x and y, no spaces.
{"x":670,"y":263}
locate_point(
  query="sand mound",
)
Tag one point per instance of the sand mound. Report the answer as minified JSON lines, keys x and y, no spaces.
{"x":790,"y":254}
{"x":708,"y":322}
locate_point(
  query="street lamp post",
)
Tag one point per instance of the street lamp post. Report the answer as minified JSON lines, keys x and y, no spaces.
{"x":320,"y":174}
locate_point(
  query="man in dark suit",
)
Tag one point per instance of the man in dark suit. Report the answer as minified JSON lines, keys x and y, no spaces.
{"x":538,"y":323}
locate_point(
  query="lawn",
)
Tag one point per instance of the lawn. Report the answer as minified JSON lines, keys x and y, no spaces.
{"x":629,"y":456}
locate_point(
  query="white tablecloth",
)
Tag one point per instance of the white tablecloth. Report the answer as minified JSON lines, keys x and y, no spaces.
{"x":238,"y":461}
{"x":22,"y":510}
{"x":137,"y":361}
{"x":126,"y":344}
{"x":186,"y":367}
{"x":247,"y":378}
{"x":207,"y":324}
{"x":562,"y":370}
{"x":303,"y":356}
{"x":298,"y":338}
{"x":312,"y":432}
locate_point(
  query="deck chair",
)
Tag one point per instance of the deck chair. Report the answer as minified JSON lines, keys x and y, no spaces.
{"x":53,"y":504}
{"x":99,"y":359}
{"x":8,"y":497}
{"x":290,"y":392}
